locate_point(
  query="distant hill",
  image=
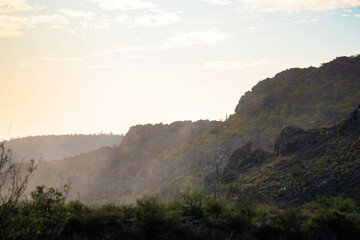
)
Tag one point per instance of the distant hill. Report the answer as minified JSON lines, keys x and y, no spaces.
{"x":164,"y":159}
{"x":50,"y":148}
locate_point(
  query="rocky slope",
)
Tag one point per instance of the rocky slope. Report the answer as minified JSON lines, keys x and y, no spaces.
{"x":164,"y":159}
{"x":306,"y":98}
{"x":305,"y":164}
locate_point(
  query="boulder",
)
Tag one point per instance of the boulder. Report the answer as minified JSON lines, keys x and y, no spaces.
{"x":291,"y":139}
{"x":230,"y":170}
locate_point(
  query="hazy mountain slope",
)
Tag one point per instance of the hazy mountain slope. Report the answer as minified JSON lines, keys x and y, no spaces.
{"x":109,"y":174}
{"x":164,"y":159}
{"x":58,"y":147}
{"x":303,"y":97}
{"x":84,"y":171}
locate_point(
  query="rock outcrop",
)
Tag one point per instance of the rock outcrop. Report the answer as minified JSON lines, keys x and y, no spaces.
{"x":290,"y":139}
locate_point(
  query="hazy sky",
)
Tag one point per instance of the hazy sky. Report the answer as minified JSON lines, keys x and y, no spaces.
{"x":90,"y":66}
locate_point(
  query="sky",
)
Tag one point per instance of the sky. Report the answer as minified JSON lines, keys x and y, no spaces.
{"x":101,"y":66}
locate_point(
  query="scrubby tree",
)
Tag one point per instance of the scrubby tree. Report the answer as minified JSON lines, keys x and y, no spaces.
{"x":193,"y":201}
{"x":13,"y":180}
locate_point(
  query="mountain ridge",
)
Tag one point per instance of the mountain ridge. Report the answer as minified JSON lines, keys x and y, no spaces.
{"x":158,"y":159}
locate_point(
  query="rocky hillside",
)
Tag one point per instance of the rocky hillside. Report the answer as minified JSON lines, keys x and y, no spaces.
{"x":50,"y":148}
{"x":306,"y":98}
{"x":164,"y":159}
{"x":304,"y":164}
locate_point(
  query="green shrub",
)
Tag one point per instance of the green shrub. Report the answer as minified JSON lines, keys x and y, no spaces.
{"x":193,"y":203}
{"x":217,"y":207}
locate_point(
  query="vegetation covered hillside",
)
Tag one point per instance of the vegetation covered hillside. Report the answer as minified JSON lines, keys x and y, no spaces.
{"x":165,"y":159}
{"x":112,"y":173}
{"x":303,"y":97}
{"x":304,"y":165}
{"x":50,"y":148}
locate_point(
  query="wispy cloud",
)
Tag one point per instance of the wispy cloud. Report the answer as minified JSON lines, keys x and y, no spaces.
{"x":99,"y":66}
{"x":307,"y":20}
{"x":53,"y":59}
{"x":223,"y":65}
{"x":218,"y":2}
{"x":357,"y":15}
{"x":7,"y":6}
{"x":14,"y":26}
{"x":96,"y":23}
{"x":211,"y":37}
{"x":76,"y":14}
{"x":298,"y":5}
{"x":134,"y":56}
{"x":153,"y":18}
{"x":125,"y":64}
{"x":123,"y":5}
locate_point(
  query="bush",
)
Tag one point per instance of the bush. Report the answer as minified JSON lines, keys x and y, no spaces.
{"x":216,"y":208}
{"x":42,"y":218}
{"x":193,"y":201}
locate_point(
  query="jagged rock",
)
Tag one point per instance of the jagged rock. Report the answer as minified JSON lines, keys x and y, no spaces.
{"x":290,"y":140}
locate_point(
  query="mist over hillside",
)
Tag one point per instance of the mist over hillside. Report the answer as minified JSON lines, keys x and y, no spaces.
{"x":48,"y":148}
{"x":165,"y":159}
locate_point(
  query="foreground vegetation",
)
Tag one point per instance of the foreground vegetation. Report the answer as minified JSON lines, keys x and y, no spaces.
{"x":192,"y":216}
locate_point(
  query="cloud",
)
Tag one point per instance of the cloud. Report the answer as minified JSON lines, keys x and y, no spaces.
{"x":159,"y":19}
{"x":76,"y":14}
{"x":51,"y":19}
{"x":152,"y":19}
{"x":13,"y":26}
{"x":133,"y":56}
{"x":307,"y":20}
{"x":217,"y":2}
{"x":123,"y":5}
{"x":99,"y":66}
{"x":298,"y":5}
{"x":7,"y":6}
{"x":125,"y":64}
{"x":226,"y":65}
{"x":96,"y":23}
{"x":211,"y":37}
{"x":357,"y":15}
{"x":52,"y":59}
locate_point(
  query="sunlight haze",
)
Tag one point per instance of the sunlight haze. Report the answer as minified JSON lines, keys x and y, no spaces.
{"x":91,"y":66}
